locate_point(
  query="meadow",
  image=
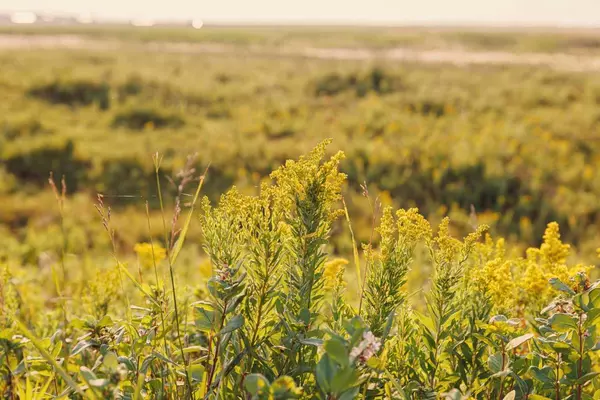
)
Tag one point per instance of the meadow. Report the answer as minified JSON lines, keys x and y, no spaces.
{"x":135,"y":271}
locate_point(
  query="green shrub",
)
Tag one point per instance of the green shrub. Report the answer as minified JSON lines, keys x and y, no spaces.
{"x":74,"y":93}
{"x":376,"y":80}
{"x":146,"y":118}
{"x":34,"y":166}
{"x":23,"y":128}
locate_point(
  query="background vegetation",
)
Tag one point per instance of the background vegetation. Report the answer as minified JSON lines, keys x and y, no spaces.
{"x":518,"y":143}
{"x":100,"y":298}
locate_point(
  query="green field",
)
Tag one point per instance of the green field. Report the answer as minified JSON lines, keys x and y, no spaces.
{"x":479,"y":130}
{"x":518,"y":143}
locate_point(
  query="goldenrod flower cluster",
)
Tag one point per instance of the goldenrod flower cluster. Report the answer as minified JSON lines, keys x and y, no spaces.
{"x":523,"y":282}
{"x":307,"y":178}
{"x":333,"y":274}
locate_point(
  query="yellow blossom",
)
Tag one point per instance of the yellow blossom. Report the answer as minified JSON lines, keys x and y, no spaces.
{"x":496,"y":279}
{"x":148,"y":256}
{"x":541,"y":265}
{"x":449,"y":247}
{"x":206,"y":270}
{"x":333,"y":274}
{"x":311,"y":179}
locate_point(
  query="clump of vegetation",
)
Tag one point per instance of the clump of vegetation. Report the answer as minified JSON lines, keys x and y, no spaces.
{"x":146,"y":118}
{"x":376,"y":80}
{"x":74,"y":93}
{"x":23,"y":128}
{"x":270,"y":315}
{"x":33,"y":166}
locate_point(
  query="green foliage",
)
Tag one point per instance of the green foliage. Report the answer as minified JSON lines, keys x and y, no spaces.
{"x":272,"y":311}
{"x":34,"y":166}
{"x":145,"y":118}
{"x":271,"y":318}
{"x":75,"y":93}
{"x":524,"y":154}
{"x":376,"y":80}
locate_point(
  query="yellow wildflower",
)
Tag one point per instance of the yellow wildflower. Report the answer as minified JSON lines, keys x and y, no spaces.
{"x":543,"y":264}
{"x":299,"y":180}
{"x":449,"y":247}
{"x":333,"y":274}
{"x":148,"y":256}
{"x":553,"y":250}
{"x":412,"y":226}
{"x":499,"y":284}
{"x":206,"y":270}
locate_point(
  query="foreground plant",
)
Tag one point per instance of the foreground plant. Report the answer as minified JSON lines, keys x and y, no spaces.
{"x":274,"y":318}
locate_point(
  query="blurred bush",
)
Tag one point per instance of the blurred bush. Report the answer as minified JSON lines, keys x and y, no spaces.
{"x":75,"y":93}
{"x":34,"y":165}
{"x":376,"y":80}
{"x":146,"y":118}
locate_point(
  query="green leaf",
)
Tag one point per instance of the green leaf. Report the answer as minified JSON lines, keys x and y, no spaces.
{"x":495,"y":362}
{"x":205,"y":320}
{"x":105,"y":321}
{"x":559,"y":285}
{"x":48,"y":357}
{"x":325,"y":372}
{"x":311,"y":342}
{"x":87,"y":373}
{"x":233,"y":324}
{"x":516,"y":342}
{"x":375,"y":363}
{"x":186,"y":226}
{"x":110,"y":361}
{"x":592,"y":317}
{"x":196,"y":372}
{"x":344,"y":380}
{"x":388,"y":325}
{"x":81,"y":346}
{"x":538,"y":397}
{"x":498,"y":318}
{"x":350,"y":394}
{"x":337,"y":351}
{"x":304,"y":316}
{"x":99,"y":383}
{"x":164,"y":358}
{"x":510,"y":395}
{"x":544,"y":375}
{"x":594,"y":296}
{"x":561,"y":322}
{"x":256,"y":384}
{"x":587,"y":377}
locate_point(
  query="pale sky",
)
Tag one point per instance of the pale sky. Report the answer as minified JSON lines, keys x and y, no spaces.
{"x":501,"y":12}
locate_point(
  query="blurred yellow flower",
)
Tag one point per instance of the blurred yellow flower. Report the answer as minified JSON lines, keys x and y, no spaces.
{"x":333,"y":274}
{"x":206,"y":270}
{"x":148,"y":256}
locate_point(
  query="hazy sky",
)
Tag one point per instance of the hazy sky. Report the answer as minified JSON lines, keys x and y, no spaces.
{"x":539,"y":12}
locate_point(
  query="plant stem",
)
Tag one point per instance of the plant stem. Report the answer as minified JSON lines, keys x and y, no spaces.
{"x":373,"y":218}
{"x":580,"y":361}
{"x":501,"y":392}
{"x":557,"y":383}
{"x":213,"y":366}
{"x":179,"y":341}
